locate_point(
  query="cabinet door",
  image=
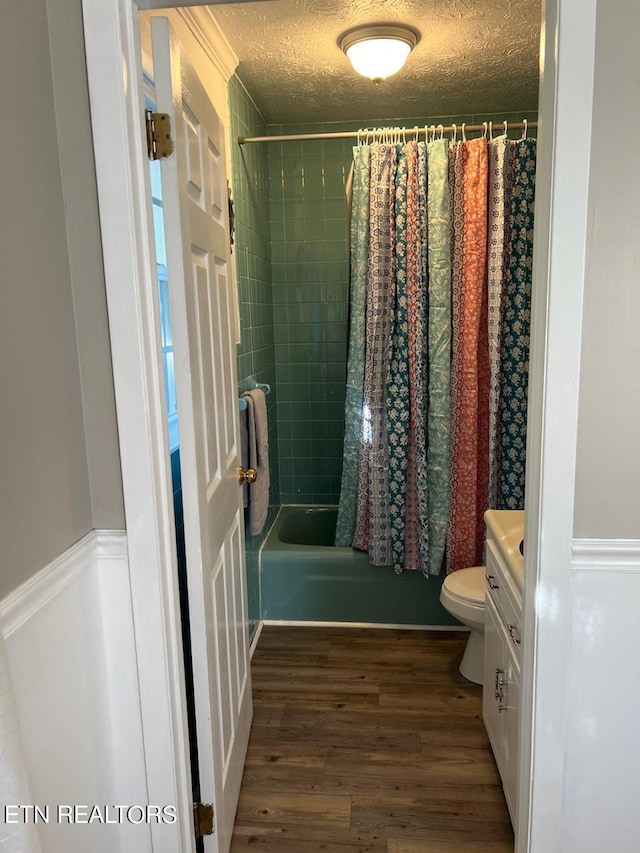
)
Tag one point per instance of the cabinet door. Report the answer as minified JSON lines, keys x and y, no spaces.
{"x":493,"y":675}
{"x":511,"y":731}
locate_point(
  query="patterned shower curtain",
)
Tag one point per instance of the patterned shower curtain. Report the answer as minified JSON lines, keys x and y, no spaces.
{"x":359,"y":234}
{"x":394,"y":499}
{"x":440,"y":251}
{"x":500,"y":183}
{"x":470,"y":357}
{"x":439,"y":311}
{"x":373,"y":521}
{"x":516,"y":321}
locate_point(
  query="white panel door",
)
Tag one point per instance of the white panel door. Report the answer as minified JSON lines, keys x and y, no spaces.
{"x":197,"y":242}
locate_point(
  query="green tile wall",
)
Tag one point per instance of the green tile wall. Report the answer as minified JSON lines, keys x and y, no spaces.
{"x":256,"y":353}
{"x":310,"y":274}
{"x":310,"y":258}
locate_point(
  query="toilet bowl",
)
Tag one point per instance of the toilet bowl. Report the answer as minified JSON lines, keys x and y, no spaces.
{"x":462,"y":594}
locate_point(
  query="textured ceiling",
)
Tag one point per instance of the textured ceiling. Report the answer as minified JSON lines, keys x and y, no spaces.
{"x":474,"y":56}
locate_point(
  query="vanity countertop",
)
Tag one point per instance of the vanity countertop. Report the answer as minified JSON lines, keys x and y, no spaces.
{"x":505,"y":527}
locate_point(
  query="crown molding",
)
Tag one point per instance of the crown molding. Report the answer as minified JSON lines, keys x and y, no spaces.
{"x":211,"y":39}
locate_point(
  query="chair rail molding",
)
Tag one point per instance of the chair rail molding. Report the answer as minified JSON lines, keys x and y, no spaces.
{"x":621,"y":555}
{"x":23,"y":603}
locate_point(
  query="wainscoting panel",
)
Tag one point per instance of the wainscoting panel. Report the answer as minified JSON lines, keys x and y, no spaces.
{"x":14,"y":783}
{"x":68,"y":633}
{"x":602,"y":745}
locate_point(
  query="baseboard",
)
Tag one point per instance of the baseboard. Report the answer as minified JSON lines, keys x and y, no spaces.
{"x":256,"y":637}
{"x":292,"y":623}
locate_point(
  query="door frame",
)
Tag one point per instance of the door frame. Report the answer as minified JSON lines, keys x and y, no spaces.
{"x":113,"y":50}
{"x":567,"y":65}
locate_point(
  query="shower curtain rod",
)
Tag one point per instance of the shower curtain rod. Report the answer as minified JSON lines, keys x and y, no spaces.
{"x":353,"y":134}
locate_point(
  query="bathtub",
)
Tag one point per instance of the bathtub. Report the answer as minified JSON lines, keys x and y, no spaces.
{"x":304,"y":577}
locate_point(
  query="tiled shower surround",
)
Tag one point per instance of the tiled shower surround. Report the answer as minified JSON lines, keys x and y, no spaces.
{"x":306,"y":288}
{"x":310,"y":280}
{"x":256,"y":356}
{"x":310,"y":274}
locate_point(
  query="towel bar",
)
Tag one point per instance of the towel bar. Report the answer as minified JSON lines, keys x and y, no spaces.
{"x":263,"y":386}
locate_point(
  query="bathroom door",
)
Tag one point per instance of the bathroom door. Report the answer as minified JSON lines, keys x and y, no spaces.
{"x":197,"y":245}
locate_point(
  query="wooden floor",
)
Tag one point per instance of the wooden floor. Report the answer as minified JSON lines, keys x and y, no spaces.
{"x":367,"y":741}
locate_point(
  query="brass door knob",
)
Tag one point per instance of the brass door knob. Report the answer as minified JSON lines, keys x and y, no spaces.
{"x":248,"y":476}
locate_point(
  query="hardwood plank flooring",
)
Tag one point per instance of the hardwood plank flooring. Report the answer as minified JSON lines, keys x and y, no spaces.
{"x":367,"y":741}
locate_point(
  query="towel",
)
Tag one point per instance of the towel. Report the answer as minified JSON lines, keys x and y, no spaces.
{"x":244,"y":452}
{"x":258,"y":434}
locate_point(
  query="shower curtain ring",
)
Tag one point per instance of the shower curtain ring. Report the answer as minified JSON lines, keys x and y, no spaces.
{"x":454,"y":127}
{"x":524,"y":128}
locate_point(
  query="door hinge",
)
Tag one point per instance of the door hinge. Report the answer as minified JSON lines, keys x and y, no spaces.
{"x":203,"y":819}
{"x":159,"y":141}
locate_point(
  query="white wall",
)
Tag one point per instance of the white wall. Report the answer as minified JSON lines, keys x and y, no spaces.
{"x":59,"y":454}
{"x":608,"y":462}
{"x":45,"y":484}
{"x":73,"y":128}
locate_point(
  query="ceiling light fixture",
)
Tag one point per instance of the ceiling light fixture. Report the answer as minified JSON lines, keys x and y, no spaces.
{"x":379,"y":50}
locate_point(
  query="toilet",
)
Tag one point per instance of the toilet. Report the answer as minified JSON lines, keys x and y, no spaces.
{"x":462,"y":594}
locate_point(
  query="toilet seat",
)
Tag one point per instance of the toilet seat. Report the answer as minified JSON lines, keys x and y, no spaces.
{"x":467,"y":585}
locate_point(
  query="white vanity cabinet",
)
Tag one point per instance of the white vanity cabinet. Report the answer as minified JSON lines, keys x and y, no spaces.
{"x":503,"y":631}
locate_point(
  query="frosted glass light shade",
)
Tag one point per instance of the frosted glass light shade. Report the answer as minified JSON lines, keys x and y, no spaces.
{"x":378,"y":52}
{"x":378,"y":58}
